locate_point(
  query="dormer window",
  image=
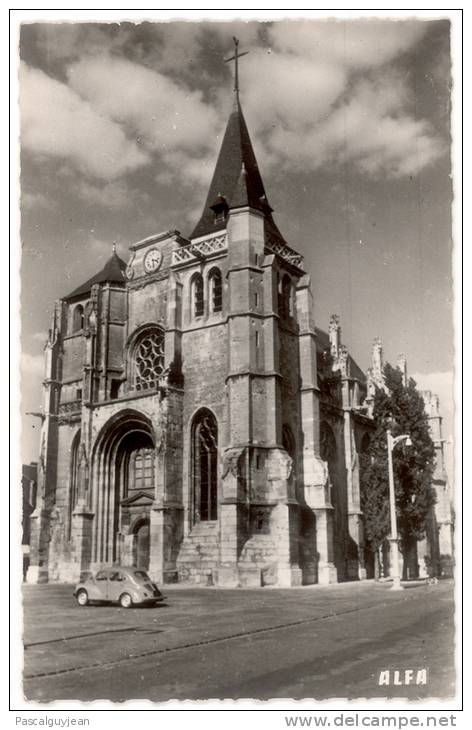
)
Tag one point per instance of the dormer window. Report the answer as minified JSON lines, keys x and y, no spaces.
{"x":220,"y":209}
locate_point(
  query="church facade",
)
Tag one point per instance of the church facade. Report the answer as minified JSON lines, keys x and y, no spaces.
{"x":197,"y":423}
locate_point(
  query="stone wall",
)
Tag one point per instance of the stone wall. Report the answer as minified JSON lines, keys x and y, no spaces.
{"x":73,"y":357}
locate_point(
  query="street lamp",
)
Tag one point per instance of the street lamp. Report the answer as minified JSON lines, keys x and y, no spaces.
{"x":393,"y":539}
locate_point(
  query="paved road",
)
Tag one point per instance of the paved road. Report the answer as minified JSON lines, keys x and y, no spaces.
{"x":316,"y":642}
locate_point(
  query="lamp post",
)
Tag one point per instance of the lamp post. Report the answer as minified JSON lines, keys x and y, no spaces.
{"x":393,"y":539}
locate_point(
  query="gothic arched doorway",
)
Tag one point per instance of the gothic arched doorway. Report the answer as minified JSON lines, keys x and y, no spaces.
{"x":123,"y":482}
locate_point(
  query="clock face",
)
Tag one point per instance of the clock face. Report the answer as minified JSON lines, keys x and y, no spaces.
{"x":152,"y":260}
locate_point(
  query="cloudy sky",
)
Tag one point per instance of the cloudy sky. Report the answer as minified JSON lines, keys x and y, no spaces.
{"x":121,"y":125}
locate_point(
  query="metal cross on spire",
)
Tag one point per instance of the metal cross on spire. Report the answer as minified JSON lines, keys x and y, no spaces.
{"x":235,"y":58}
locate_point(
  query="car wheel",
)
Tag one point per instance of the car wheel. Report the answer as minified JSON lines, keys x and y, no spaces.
{"x":82,"y":598}
{"x":126,"y":601}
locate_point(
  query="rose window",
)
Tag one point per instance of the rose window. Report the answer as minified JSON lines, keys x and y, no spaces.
{"x":149,"y":361}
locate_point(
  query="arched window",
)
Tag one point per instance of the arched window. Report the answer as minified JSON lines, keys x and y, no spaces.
{"x":136,"y":463}
{"x":78,"y":318}
{"x":216,"y":290}
{"x":205,"y":466}
{"x":144,"y":469}
{"x":73,"y":481}
{"x":148,"y":359}
{"x":197,"y":296}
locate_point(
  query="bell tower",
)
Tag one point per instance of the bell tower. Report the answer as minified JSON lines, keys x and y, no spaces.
{"x":270,"y":517}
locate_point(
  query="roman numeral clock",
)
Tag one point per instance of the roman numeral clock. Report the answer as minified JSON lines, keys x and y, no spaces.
{"x":146,"y":257}
{"x":152,"y":260}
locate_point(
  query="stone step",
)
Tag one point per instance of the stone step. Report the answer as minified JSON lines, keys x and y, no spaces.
{"x":189,"y":554}
{"x":204,"y":534}
{"x":198,"y":558}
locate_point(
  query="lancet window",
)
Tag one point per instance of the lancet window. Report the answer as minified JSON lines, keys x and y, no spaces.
{"x":205,"y":466}
{"x":197,"y":296}
{"x":73,"y":481}
{"x":216,"y":290}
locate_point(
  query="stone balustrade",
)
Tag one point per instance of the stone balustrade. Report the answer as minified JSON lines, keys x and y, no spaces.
{"x":200,"y":250}
{"x":281,"y":249}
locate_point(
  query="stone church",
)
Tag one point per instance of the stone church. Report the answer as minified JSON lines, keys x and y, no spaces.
{"x":197,"y":423}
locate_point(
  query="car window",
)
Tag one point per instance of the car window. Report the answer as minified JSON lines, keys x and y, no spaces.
{"x":141,"y":575}
{"x":101,"y":575}
{"x":116,"y":575}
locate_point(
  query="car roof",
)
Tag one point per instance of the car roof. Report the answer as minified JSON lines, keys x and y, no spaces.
{"x":124,"y":568}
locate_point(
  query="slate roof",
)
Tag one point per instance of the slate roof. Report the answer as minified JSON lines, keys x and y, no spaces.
{"x":113,"y":272}
{"x":237,"y":179}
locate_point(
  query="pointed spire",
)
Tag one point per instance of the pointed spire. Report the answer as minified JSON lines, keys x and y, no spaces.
{"x":377,"y":358}
{"x":334,"y":335}
{"x":237,"y":179}
{"x":402,"y":366}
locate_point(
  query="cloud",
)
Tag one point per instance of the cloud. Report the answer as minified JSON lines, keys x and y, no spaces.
{"x":172,"y":48}
{"x":311,"y":112}
{"x":440,"y":384}
{"x":324,"y":93}
{"x":316,"y":95}
{"x":189,"y":171}
{"x":354,"y":44}
{"x":34,"y":200}
{"x":55,"y":121}
{"x":39,"y":337}
{"x":69,"y":41}
{"x":32,"y":365}
{"x":371,"y":130}
{"x":289,"y":92}
{"x":164,"y":115}
{"x":116,"y":194}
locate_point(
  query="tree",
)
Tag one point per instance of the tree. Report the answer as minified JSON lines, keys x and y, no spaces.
{"x":399,"y":407}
